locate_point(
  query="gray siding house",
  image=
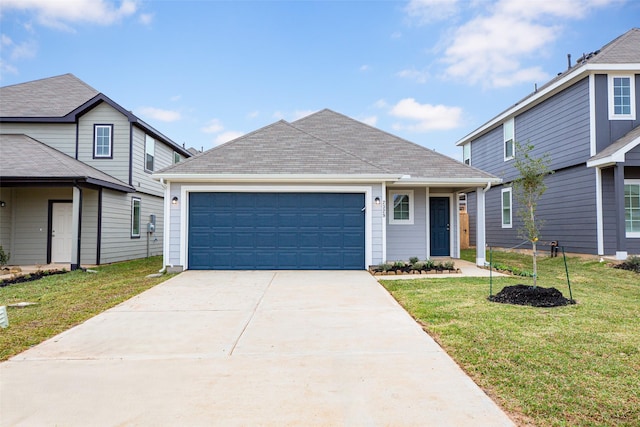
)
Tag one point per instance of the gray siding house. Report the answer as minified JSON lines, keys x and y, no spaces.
{"x":75,"y":176}
{"x":586,"y":119}
{"x":322,"y":192}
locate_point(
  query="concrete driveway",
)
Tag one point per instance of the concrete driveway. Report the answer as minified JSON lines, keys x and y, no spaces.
{"x":246,"y":348}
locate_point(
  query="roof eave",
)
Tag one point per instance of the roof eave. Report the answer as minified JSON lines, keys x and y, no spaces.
{"x":545,"y":92}
{"x":447,"y":182}
{"x":195,"y":177}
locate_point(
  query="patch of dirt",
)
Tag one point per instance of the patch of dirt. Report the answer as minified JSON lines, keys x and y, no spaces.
{"x":30,"y":277}
{"x":528,"y":295}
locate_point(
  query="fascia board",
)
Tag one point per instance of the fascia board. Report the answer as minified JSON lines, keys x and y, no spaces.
{"x":617,"y":157}
{"x":545,"y":92}
{"x":443,"y":182}
{"x":169,"y":177}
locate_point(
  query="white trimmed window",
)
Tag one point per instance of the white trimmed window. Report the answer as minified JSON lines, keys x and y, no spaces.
{"x":102,"y":141}
{"x":622,"y":104}
{"x":462,"y":202}
{"x":149,"y":153}
{"x":632,"y":207}
{"x":401,"y":207}
{"x":466,"y":153}
{"x":135,"y":217}
{"x":508,"y":130}
{"x":176,"y":157}
{"x":506,"y":208}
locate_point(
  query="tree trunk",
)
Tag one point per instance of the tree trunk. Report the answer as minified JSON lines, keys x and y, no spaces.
{"x":535,"y":264}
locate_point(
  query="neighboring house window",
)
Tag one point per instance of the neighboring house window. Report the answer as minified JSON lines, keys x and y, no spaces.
{"x":135,"y":217}
{"x":102,"y":141}
{"x":621,"y":98}
{"x":401,"y":207}
{"x":466,"y":153}
{"x":632,"y":207}
{"x":506,"y":208}
{"x":149,"y":152}
{"x":176,"y":157}
{"x":509,"y":138}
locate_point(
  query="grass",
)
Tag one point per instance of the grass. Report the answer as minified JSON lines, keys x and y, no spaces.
{"x":577,"y":365}
{"x":69,"y":299}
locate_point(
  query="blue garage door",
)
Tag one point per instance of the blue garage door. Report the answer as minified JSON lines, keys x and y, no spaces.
{"x":276,"y":231}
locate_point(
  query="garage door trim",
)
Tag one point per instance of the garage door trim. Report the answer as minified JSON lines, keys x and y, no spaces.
{"x":186,"y":189}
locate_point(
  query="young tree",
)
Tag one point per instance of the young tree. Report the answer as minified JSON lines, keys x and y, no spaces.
{"x":528,"y":188}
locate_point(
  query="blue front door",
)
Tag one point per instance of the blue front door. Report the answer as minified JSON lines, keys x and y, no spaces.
{"x":440,"y":225}
{"x":276,"y":231}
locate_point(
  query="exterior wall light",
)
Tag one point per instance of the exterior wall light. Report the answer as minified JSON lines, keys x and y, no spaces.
{"x":377,"y":201}
{"x":2,"y":204}
{"x":174,"y":201}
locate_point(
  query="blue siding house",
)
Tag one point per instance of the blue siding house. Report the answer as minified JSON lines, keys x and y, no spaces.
{"x":586,"y":119}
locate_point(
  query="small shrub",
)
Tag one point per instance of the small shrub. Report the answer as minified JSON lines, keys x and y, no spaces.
{"x":413,"y":260}
{"x":449,"y":265}
{"x":429,"y":265}
{"x":632,"y":263}
{"x":4,"y":257}
{"x":417,"y":266}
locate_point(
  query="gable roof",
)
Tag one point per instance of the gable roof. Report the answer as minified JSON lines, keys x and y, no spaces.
{"x":616,"y":152}
{"x":325,"y":145}
{"x":50,"y":97}
{"x":621,"y":54}
{"x":26,"y":160}
{"x":62,"y":99}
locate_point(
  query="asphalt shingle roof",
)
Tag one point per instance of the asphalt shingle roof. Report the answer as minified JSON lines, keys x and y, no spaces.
{"x":325,"y":142}
{"x":620,"y":144}
{"x":26,"y":159}
{"x":50,"y":97}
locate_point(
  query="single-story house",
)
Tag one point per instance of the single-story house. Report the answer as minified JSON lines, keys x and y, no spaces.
{"x":322,"y":192}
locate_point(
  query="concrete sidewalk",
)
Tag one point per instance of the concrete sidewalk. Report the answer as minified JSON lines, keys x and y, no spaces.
{"x":246,"y":348}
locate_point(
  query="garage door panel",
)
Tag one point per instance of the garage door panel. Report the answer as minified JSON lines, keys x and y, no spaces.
{"x":276,"y":231}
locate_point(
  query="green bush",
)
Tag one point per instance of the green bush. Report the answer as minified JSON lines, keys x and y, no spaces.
{"x":4,"y":256}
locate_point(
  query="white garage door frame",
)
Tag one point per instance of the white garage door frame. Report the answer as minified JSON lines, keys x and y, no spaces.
{"x":186,"y":189}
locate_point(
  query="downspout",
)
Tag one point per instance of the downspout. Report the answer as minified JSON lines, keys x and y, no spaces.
{"x":165,"y":219}
{"x":488,"y":188}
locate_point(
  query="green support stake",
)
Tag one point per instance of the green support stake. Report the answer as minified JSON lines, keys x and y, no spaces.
{"x":566,"y":269}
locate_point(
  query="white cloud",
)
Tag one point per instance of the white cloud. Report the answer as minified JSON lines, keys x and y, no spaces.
{"x":227,"y":136}
{"x":291,"y":116}
{"x":425,"y":117}
{"x":424,"y":11}
{"x":5,"y":40}
{"x":365,"y":67}
{"x":24,"y":50}
{"x":176,"y":98}
{"x":490,"y":49}
{"x":58,"y":13}
{"x":371,"y":120}
{"x":7,"y":69}
{"x":380,"y":103}
{"x":413,"y":74}
{"x":253,"y":114}
{"x":146,"y":18}
{"x":214,"y":126}
{"x":396,"y":35}
{"x":160,"y":114}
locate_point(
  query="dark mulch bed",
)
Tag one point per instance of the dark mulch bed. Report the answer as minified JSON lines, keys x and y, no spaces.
{"x":30,"y":277}
{"x":528,"y":295}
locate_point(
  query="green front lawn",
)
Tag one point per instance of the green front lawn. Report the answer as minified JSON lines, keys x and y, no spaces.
{"x":577,"y":365}
{"x":69,"y":299}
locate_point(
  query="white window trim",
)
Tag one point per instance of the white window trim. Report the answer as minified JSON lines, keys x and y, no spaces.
{"x":147,"y":141}
{"x":468,"y":144}
{"x":95,"y":142}
{"x":505,"y":139}
{"x":133,"y":204}
{"x":176,"y":155}
{"x":632,"y":86}
{"x":411,"y":204}
{"x":506,"y":190}
{"x":632,"y":234}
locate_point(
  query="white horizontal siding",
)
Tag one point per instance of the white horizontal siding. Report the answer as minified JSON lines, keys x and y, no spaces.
{"x":117,"y":243}
{"x":104,"y":114}
{"x":142,"y":180}
{"x":61,"y":136}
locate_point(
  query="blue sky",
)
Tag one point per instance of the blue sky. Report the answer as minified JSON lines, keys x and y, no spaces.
{"x":203,"y":72}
